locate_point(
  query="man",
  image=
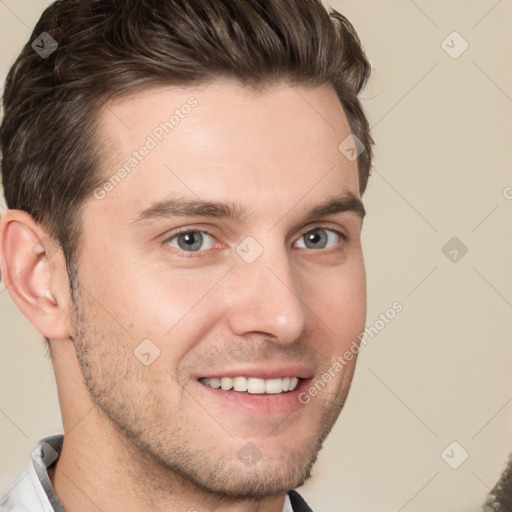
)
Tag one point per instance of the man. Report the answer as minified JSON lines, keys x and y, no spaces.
{"x":184,"y":183}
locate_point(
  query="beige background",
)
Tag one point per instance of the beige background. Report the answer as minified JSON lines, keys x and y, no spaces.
{"x":440,"y":371}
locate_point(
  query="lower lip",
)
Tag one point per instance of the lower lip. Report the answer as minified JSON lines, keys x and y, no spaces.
{"x":280,"y":404}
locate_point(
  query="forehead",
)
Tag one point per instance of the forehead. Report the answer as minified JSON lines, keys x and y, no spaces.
{"x":226,"y":142}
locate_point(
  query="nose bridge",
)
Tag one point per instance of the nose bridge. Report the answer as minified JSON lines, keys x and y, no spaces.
{"x":267,"y":292}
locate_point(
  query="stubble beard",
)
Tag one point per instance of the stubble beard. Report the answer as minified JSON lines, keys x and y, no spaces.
{"x":156,"y":457}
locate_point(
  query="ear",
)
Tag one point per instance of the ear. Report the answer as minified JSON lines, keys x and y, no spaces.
{"x":34,"y":272}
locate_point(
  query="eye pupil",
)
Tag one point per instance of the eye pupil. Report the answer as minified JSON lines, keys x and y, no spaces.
{"x":189,"y":240}
{"x":315,"y":237}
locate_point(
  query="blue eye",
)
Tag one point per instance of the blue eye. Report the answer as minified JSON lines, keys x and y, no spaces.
{"x":318,"y":238}
{"x":195,"y":241}
{"x":190,"y":241}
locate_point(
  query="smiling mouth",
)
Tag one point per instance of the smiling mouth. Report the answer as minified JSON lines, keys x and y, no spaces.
{"x":252,"y":385}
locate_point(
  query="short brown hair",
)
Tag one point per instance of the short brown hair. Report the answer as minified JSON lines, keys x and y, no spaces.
{"x":109,"y":48}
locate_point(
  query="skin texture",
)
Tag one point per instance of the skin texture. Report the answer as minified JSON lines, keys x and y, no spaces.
{"x":143,"y":437}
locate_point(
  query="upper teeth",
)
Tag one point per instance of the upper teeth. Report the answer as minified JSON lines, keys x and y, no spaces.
{"x":253,"y":384}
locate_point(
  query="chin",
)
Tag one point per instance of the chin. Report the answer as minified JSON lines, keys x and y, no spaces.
{"x":237,"y":481}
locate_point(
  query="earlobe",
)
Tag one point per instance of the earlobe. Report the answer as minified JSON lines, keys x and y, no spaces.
{"x":31,"y":266}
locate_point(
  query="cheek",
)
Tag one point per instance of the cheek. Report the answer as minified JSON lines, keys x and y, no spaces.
{"x":338,"y":298}
{"x":173,"y":308}
{"x":176,"y":308}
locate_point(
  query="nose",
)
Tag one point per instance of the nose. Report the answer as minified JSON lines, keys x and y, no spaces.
{"x":266,"y":298}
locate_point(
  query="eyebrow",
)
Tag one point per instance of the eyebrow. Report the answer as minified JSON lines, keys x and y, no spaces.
{"x":182,"y":207}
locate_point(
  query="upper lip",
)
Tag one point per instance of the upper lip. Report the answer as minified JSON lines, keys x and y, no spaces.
{"x":260,"y":371}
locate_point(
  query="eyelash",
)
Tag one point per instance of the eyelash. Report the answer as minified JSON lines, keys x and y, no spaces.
{"x":193,"y":254}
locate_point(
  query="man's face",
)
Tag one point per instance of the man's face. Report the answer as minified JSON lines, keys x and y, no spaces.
{"x":271,"y":296}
